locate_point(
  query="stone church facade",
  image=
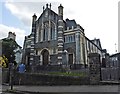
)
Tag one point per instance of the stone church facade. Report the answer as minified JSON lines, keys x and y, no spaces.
{"x":54,"y":41}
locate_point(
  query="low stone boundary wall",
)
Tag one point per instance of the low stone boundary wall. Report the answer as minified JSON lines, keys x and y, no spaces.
{"x":45,"y":79}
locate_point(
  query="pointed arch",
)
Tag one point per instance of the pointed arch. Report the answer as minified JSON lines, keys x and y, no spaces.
{"x":45,"y":57}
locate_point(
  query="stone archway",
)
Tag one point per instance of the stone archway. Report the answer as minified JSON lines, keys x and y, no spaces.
{"x":45,"y":57}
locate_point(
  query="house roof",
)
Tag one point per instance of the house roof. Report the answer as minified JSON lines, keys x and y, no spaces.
{"x":97,"y":42}
{"x":70,"y":23}
{"x":114,"y":55}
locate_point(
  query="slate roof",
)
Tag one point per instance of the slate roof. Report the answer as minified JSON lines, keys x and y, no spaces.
{"x":70,"y":23}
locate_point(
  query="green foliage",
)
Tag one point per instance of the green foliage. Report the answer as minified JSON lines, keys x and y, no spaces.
{"x":8,"y":47}
{"x":81,"y":74}
{"x":3,"y":61}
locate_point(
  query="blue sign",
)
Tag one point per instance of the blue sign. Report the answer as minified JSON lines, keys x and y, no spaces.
{"x":21,"y":68}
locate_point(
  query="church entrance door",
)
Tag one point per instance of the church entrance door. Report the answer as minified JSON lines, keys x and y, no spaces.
{"x":45,"y":57}
{"x":70,"y":61}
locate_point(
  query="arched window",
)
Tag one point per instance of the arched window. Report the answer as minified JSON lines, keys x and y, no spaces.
{"x":45,"y":31}
{"x":52,"y":31}
{"x":49,"y":34}
{"x":39,"y":36}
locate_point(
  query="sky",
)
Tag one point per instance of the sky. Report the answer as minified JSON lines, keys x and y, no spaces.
{"x":99,"y":18}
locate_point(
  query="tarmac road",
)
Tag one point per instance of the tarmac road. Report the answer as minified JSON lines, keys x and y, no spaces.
{"x":95,"y":89}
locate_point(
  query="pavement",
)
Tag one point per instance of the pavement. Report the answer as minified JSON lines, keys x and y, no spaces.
{"x":20,"y":89}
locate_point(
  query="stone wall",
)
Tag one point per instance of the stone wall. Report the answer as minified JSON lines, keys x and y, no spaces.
{"x":5,"y":75}
{"x":94,"y":69}
{"x":40,"y":79}
{"x":42,"y":68}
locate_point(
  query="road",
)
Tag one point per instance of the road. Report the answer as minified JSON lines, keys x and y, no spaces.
{"x":82,"y":88}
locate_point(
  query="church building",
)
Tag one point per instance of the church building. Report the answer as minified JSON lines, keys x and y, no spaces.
{"x":55,"y":41}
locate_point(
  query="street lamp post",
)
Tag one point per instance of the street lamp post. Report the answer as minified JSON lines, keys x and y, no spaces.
{"x":11,"y":75}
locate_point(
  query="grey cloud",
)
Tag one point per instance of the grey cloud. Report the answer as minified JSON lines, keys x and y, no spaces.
{"x":19,"y":33}
{"x":29,"y":8}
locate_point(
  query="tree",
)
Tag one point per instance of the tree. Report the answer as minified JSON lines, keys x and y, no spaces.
{"x":8,"y":47}
{"x":3,"y":61}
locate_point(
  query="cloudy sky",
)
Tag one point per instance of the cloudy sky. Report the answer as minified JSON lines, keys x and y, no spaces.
{"x":99,"y":18}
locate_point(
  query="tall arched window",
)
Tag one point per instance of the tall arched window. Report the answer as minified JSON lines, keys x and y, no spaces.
{"x":52,"y":31}
{"x":39,"y":38}
{"x":45,"y":31}
{"x":48,"y":31}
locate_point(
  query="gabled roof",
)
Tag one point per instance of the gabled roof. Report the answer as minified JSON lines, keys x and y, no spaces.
{"x":44,"y":11}
{"x":97,"y":42}
{"x":12,"y":41}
